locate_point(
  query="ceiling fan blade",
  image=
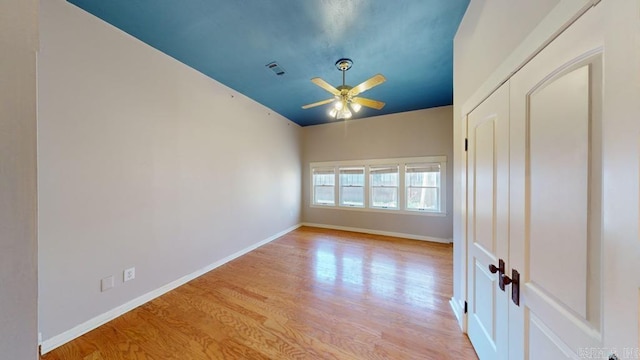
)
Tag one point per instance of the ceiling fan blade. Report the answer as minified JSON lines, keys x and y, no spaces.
{"x":374,"y":104}
{"x":367,"y":84}
{"x":318,"y":103}
{"x":325,"y":85}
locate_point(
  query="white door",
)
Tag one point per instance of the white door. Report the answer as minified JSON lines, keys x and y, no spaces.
{"x":556,"y":197}
{"x":488,"y":201}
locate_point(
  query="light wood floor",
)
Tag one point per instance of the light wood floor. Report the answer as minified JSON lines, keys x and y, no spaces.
{"x":312,"y":294}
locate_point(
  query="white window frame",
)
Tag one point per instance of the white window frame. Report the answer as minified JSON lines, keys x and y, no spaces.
{"x":313,"y":185}
{"x":372,"y":169}
{"x":408,"y":188}
{"x":402,"y":187}
{"x":341,"y":201}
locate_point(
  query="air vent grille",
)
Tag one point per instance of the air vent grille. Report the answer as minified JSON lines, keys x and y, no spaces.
{"x":277,"y":69}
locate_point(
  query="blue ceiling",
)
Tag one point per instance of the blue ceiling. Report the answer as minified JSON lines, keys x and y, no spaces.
{"x":410,"y":42}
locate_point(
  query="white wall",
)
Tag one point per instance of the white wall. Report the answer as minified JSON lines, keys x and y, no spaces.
{"x":145,"y":162}
{"x":489,"y":32}
{"x":415,"y":133}
{"x":18,"y":251}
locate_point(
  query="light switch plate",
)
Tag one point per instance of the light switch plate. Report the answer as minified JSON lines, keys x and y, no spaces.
{"x":106,"y":283}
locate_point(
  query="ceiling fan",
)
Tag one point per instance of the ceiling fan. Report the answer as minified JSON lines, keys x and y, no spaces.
{"x":345,"y":98}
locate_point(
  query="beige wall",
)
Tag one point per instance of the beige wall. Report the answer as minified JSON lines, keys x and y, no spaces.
{"x":416,"y":133}
{"x":18,"y":245}
{"x":145,"y":163}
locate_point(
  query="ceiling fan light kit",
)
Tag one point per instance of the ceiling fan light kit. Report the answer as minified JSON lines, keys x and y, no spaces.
{"x":345,"y":98}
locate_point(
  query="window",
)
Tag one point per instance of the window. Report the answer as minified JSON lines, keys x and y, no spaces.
{"x":324,"y":180}
{"x":352,"y":186}
{"x":423,"y":187}
{"x":413,"y":186}
{"x":384,"y":182}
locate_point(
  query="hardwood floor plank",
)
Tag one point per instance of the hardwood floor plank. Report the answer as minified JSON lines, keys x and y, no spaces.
{"x":114,"y":345}
{"x":311,"y":294}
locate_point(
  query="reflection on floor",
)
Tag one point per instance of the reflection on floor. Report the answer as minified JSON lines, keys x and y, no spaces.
{"x":372,"y":272}
{"x":312,"y":294}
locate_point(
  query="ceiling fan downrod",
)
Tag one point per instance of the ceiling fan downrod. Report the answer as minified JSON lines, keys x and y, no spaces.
{"x":343,"y":65}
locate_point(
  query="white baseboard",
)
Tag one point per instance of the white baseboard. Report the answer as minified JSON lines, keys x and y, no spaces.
{"x":458,"y":311}
{"x":65,"y":337}
{"x":384,"y":233}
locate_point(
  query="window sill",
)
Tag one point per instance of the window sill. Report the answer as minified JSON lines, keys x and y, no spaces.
{"x":378,"y":210}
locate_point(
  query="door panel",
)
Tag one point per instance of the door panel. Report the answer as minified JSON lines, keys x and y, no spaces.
{"x":485,"y":306}
{"x":544,"y":343}
{"x":555,"y":195}
{"x":484,"y":192}
{"x":558,"y":136}
{"x":488,"y":164}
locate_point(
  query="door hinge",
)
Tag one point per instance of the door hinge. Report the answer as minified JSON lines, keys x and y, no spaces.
{"x":466,"y":144}
{"x":465,"y":307}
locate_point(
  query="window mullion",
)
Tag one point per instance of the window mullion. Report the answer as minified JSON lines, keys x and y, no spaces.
{"x":402,"y":198}
{"x":367,"y":188}
{"x":337,"y":191}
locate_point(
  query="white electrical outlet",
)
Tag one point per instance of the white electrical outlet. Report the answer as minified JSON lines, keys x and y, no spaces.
{"x":106,"y":283}
{"x":129,"y":274}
